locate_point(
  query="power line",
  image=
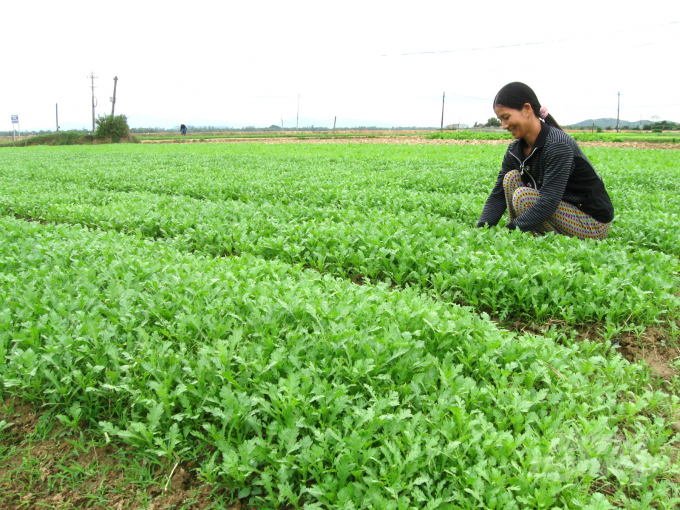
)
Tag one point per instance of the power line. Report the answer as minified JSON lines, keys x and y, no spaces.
{"x":629,"y":106}
{"x":472,"y":97}
{"x":535,"y":43}
{"x":473,"y":49}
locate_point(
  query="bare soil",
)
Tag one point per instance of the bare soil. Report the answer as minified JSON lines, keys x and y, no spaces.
{"x":654,"y":346}
{"x":391,"y":140}
{"x":54,"y":472}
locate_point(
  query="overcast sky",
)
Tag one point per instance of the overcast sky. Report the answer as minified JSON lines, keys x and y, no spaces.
{"x":389,"y":61}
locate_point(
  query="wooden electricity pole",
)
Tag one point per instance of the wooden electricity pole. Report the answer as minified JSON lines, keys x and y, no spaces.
{"x":113,"y":99}
{"x":618,"y":107}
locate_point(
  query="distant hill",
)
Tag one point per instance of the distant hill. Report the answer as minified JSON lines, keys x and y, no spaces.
{"x":605,"y":123}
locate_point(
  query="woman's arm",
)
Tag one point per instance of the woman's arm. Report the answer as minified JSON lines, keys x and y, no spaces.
{"x":495,"y":205}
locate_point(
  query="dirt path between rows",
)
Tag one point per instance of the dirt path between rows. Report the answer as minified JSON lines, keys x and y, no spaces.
{"x":407,"y":140}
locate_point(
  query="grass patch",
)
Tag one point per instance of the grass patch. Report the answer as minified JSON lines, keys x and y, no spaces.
{"x":64,"y":138}
{"x":61,"y":138}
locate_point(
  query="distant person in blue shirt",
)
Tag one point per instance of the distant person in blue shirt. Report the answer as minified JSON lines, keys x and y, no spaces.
{"x":183,"y":129}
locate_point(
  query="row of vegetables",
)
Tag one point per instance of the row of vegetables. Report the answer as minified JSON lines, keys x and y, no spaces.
{"x":295,"y":388}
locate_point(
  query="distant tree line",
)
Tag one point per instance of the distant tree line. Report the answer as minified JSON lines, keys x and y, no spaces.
{"x":493,"y":122}
{"x":663,"y":125}
{"x":272,"y":128}
{"x":213,"y":129}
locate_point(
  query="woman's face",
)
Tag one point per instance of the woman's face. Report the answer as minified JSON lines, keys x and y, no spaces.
{"x":515,"y":121}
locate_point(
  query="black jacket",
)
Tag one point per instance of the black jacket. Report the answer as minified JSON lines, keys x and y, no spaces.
{"x":560,"y":170}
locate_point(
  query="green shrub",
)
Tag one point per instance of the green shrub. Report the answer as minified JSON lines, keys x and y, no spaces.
{"x":657,"y":130}
{"x":63,"y":138}
{"x":113,"y":127}
{"x":599,"y":129}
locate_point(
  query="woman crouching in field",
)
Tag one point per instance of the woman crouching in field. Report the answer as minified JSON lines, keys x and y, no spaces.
{"x":546,"y":182}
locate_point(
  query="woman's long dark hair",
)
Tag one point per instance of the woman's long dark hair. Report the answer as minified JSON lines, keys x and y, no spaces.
{"x":514,"y":95}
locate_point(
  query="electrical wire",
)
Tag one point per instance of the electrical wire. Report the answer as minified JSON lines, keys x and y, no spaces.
{"x":535,"y":43}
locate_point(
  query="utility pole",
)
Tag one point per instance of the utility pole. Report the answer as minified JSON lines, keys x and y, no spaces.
{"x":281,"y":124}
{"x":334,"y":121}
{"x":618,"y":107}
{"x":113,"y":99}
{"x":297,"y":122}
{"x":94,"y":99}
{"x":443,"y":97}
{"x":57,"y":107}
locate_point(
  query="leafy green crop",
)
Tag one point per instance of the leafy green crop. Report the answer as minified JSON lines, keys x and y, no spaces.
{"x":296,"y":388}
{"x":197,"y":302}
{"x":396,"y":223}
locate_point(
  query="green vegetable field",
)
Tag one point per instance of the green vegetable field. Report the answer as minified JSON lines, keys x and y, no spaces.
{"x":323,"y":326}
{"x":580,"y":136}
